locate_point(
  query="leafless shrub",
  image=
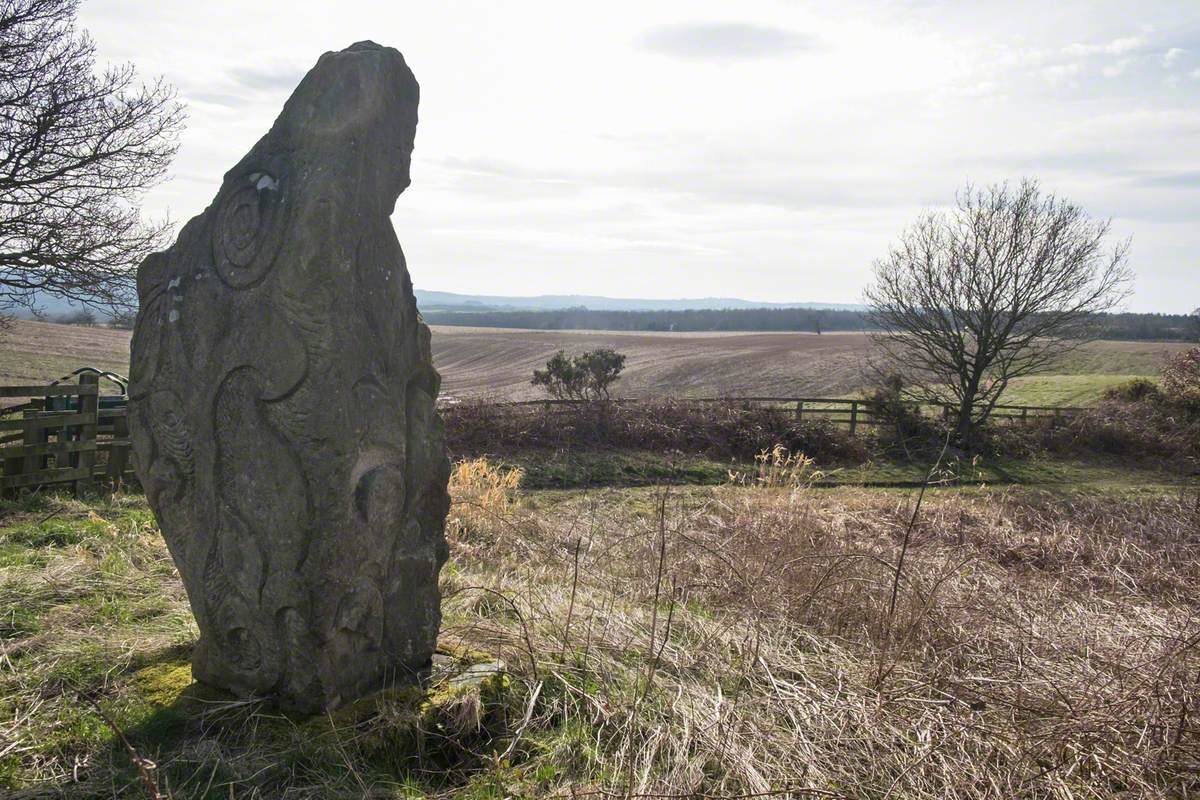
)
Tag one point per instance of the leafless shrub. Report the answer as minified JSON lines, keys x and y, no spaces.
{"x":1181,"y":378}
{"x":721,"y":430}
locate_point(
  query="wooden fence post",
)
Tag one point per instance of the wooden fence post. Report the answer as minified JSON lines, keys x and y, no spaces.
{"x":14,"y":465}
{"x":118,"y":455}
{"x":799,"y":410}
{"x":33,"y":435}
{"x":88,"y":404}
{"x":853,"y":416}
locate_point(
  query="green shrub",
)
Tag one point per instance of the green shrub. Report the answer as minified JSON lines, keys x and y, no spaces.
{"x":1134,"y":390}
{"x":901,"y":426}
{"x":584,"y":377}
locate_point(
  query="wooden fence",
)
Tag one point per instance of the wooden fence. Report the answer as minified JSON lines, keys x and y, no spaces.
{"x":76,"y":441}
{"x":48,"y":441}
{"x":839,"y":411}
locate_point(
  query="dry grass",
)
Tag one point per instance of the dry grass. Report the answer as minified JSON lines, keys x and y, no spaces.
{"x":779,"y":468}
{"x":482,"y":494}
{"x":710,"y":643}
{"x":744,"y":644}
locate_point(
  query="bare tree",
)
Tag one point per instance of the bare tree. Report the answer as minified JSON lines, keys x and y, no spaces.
{"x":998,"y":288}
{"x":78,"y":148}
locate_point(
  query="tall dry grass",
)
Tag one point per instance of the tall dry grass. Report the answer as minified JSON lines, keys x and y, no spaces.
{"x":483,"y":495}
{"x":746,"y":643}
{"x":729,"y":642}
{"x":779,"y":468}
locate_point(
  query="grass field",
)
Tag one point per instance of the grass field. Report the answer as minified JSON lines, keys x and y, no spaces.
{"x":687,"y":642}
{"x":35,"y":352}
{"x":497,"y":363}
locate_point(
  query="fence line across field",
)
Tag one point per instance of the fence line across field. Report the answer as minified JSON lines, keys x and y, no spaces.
{"x":59,"y":435}
{"x":837,"y":410}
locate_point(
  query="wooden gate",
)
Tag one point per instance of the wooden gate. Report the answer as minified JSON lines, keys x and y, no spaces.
{"x":75,"y":442}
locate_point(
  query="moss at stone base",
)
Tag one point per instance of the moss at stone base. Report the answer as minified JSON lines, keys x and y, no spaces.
{"x":163,"y":684}
{"x":399,"y":733}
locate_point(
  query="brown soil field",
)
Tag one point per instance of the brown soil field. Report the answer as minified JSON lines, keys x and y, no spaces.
{"x":497,"y":363}
{"x":477,"y":361}
{"x":39,"y":352}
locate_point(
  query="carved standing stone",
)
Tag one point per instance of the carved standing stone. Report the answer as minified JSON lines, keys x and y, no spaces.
{"x":282,"y":403}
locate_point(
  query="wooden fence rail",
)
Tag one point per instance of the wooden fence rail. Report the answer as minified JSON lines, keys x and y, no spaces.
{"x":49,"y":447}
{"x":837,"y":410}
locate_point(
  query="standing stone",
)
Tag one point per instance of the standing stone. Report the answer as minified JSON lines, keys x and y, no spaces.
{"x":282,"y":403}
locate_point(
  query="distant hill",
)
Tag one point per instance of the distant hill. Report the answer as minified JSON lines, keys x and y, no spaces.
{"x":451,"y":301}
{"x":427,"y":300}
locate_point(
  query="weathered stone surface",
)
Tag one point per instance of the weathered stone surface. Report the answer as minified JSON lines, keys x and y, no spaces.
{"x":282,"y":403}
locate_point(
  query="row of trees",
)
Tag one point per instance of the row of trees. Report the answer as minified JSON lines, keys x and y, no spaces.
{"x":810,"y":320}
{"x":1122,"y":326}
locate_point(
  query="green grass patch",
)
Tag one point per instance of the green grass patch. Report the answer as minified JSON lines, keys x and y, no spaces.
{"x":1061,"y":390}
{"x":566,"y":469}
{"x":1108,"y":357}
{"x":1043,"y":472}
{"x":583,"y":469}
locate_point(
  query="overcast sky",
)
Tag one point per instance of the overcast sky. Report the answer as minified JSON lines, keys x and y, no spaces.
{"x":764,"y":150}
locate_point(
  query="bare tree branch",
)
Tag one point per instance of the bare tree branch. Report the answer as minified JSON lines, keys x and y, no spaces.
{"x":77,"y":151}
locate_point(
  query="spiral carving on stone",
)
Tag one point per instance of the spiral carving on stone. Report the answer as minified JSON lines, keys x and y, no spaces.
{"x":249,"y":229}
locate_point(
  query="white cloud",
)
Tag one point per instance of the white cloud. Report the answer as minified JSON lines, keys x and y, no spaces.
{"x":1058,"y":73}
{"x":724,"y":40}
{"x":1116,"y":68}
{"x":982,"y":89}
{"x":1115,"y":47}
{"x":1172,"y":57}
